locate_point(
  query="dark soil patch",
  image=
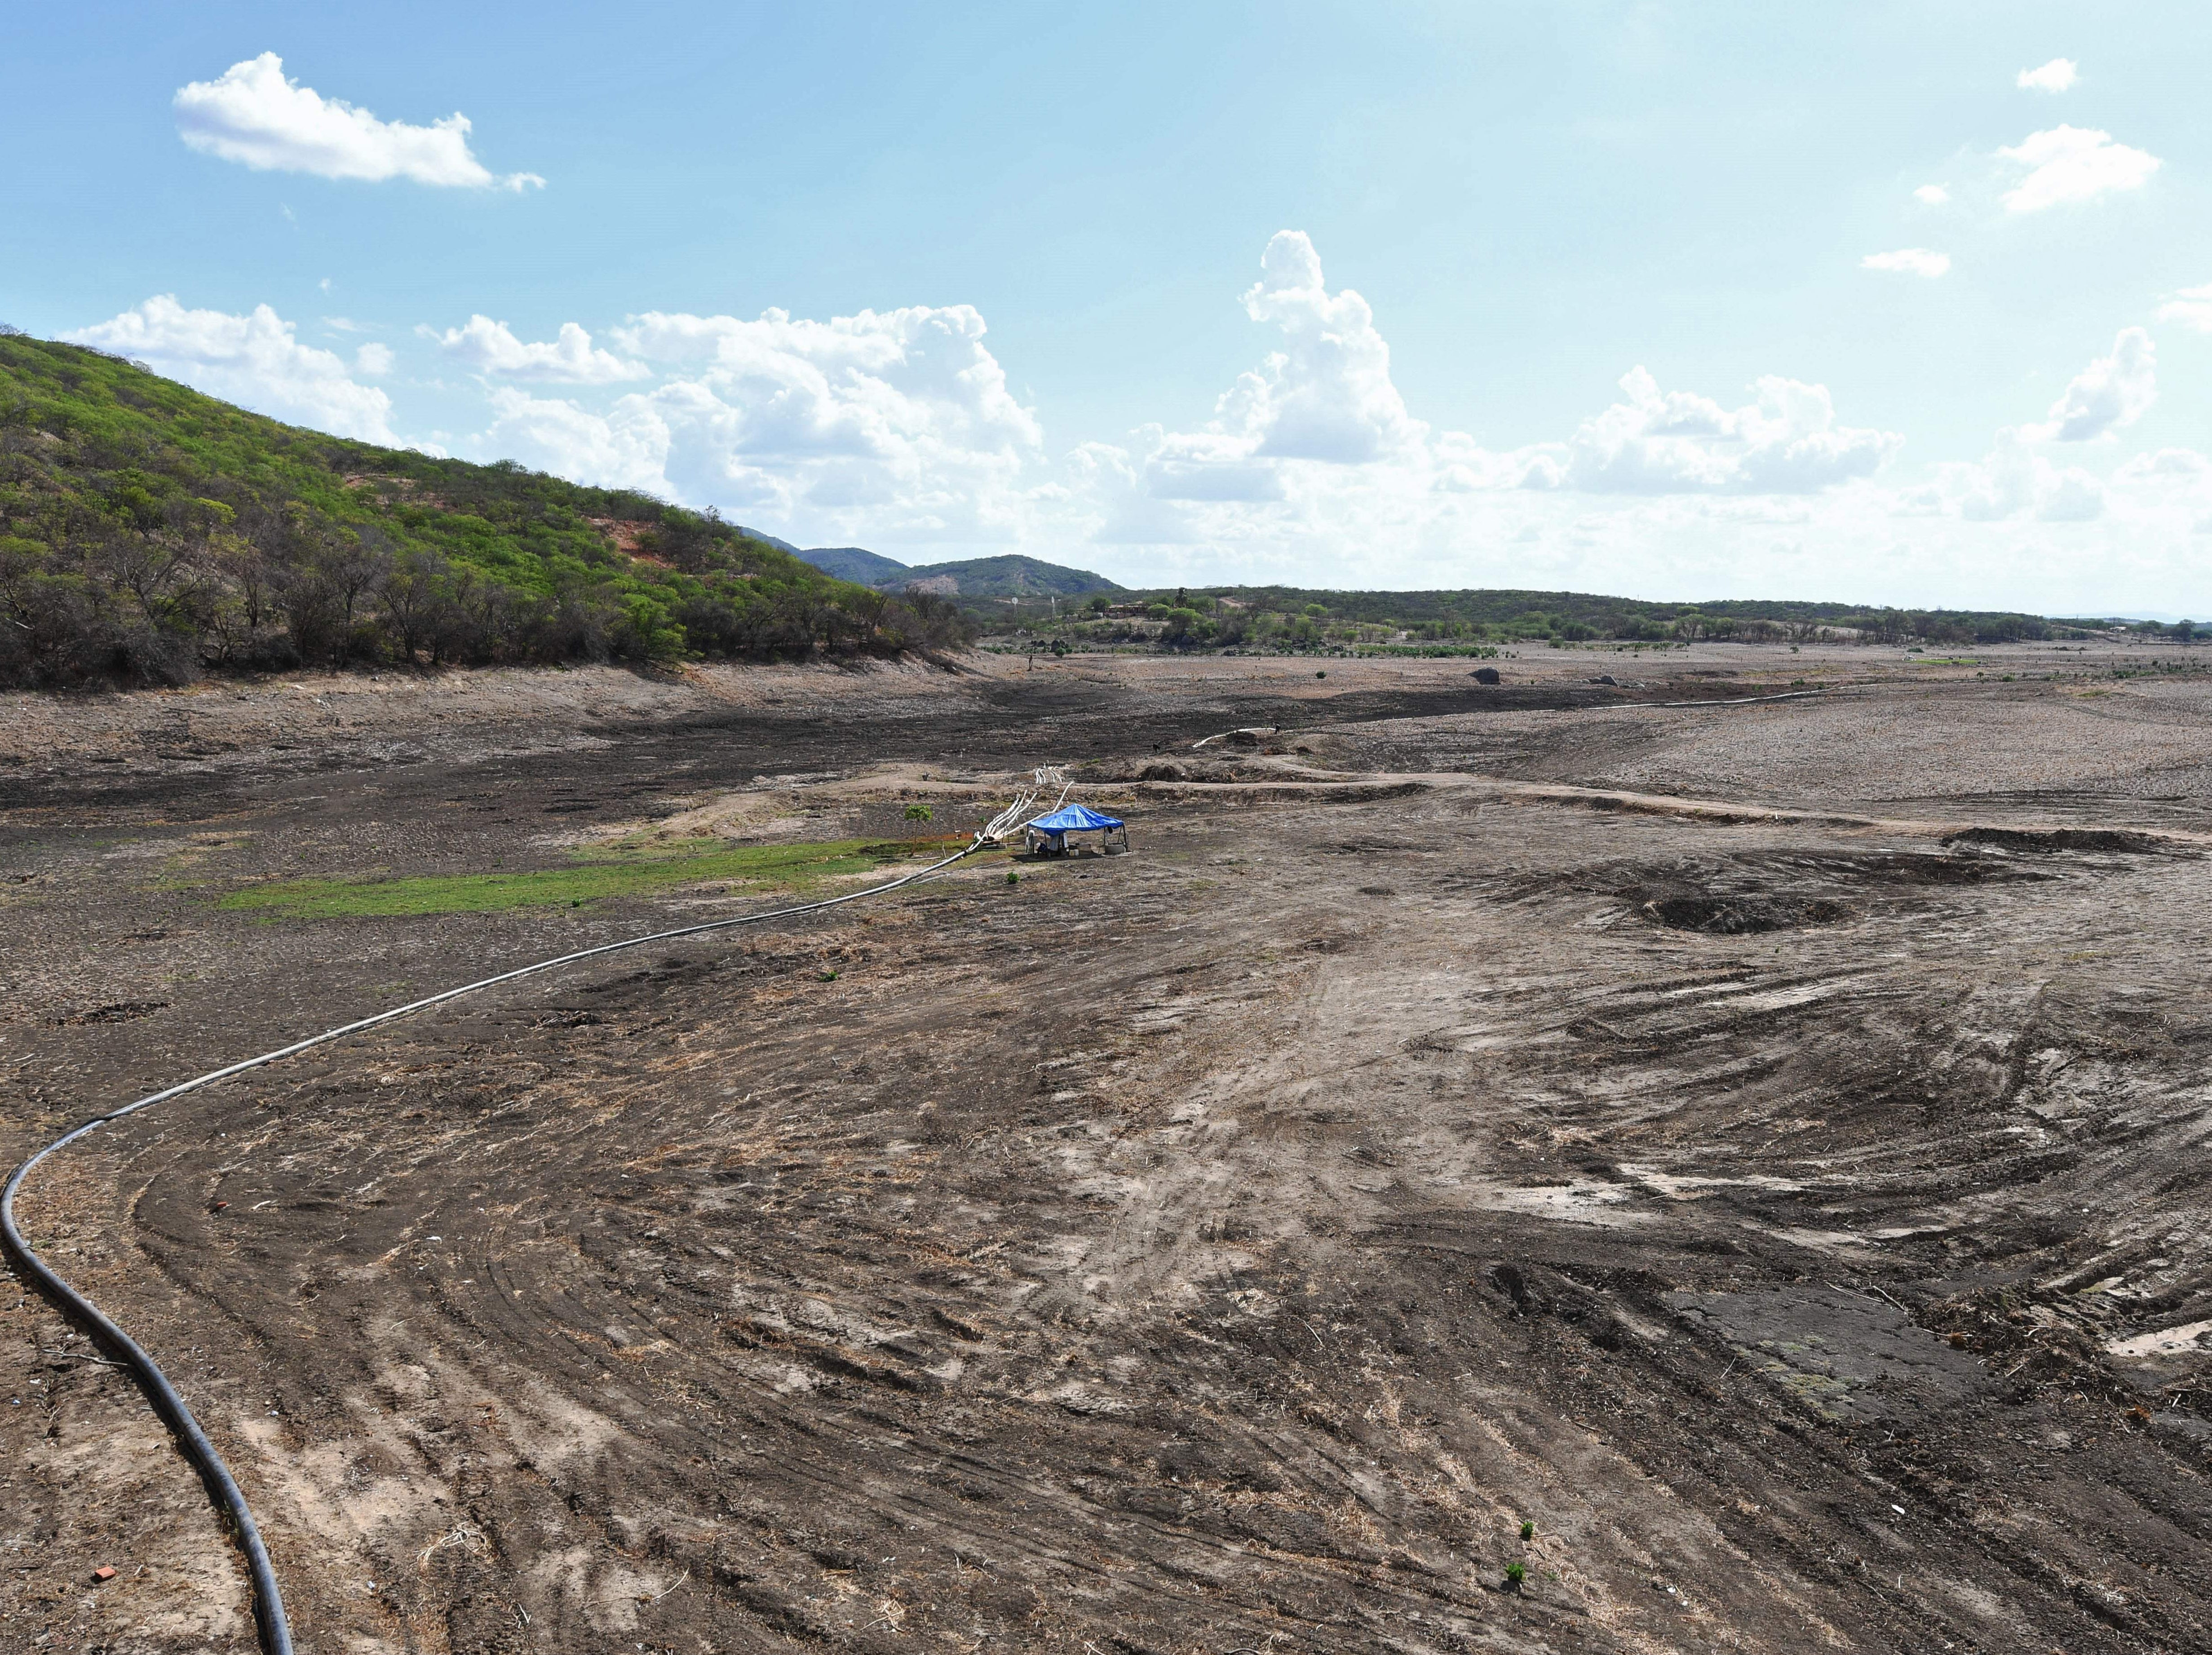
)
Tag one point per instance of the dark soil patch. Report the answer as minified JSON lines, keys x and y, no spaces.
{"x":2050,"y":842}
{"x":1730,"y":916}
{"x":123,"y":1011}
{"x":1894,"y":868}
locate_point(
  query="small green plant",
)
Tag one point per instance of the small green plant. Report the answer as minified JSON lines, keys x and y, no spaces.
{"x":1527,"y":1532}
{"x":1516,"y":1575}
{"x":1323,"y":675}
{"x":1013,"y":876}
{"x":920,"y":813}
{"x":826,"y":976}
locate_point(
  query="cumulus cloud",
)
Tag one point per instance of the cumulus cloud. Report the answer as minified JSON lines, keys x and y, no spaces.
{"x":1319,"y":425}
{"x":2072,"y":163}
{"x":625,"y":451}
{"x":2112,"y":394}
{"x":255,"y":114}
{"x":1312,"y":470}
{"x":1787,"y":442}
{"x":896,"y":425}
{"x":2191,"y":307}
{"x":1931,"y":195}
{"x":2073,"y":497}
{"x":490,"y":347}
{"x":253,"y":360}
{"x":874,"y":387}
{"x":2054,"y":77}
{"x":897,"y":429}
{"x":372,"y":361}
{"x":2166,"y":466}
{"x":2014,"y":480}
{"x":1326,"y":394}
{"x":1909,"y":261}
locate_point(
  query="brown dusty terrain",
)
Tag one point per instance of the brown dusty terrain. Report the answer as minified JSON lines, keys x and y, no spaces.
{"x":1761,"y":1146}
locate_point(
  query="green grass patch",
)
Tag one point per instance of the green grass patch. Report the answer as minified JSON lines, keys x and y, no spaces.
{"x":617,"y":871}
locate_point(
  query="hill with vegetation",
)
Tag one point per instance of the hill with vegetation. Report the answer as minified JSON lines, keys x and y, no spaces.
{"x":1290,"y":617}
{"x":148,"y":534}
{"x":1009,"y":575}
{"x":856,"y":563}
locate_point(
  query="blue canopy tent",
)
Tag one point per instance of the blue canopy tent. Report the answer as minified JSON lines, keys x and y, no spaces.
{"x":1047,"y":834}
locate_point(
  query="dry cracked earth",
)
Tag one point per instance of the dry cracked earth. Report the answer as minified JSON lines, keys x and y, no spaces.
{"x":1759,"y":1147}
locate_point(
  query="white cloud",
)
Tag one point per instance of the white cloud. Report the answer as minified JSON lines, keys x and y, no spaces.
{"x":372,"y":361}
{"x":1320,"y":425}
{"x":2191,"y":307}
{"x":1931,"y":195}
{"x":2073,"y":497}
{"x":897,"y":425}
{"x":1909,"y":261}
{"x":1369,"y":495}
{"x":1328,"y":394}
{"x":1785,"y":442}
{"x":2014,"y":479}
{"x":897,"y":430}
{"x":490,"y":347}
{"x":869,"y":386}
{"x":2112,"y":394}
{"x":2166,"y":466}
{"x":2054,"y":77}
{"x":253,"y":360}
{"x":626,"y":451}
{"x":253,"y":113}
{"x":2072,"y":163}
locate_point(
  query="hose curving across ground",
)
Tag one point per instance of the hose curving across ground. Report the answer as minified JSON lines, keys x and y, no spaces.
{"x":275,"y":1633}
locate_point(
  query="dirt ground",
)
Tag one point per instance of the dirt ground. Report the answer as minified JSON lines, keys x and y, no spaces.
{"x":1761,"y":1144}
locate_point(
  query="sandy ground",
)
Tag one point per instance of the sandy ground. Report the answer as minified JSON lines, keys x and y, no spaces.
{"x":1654,"y":1123}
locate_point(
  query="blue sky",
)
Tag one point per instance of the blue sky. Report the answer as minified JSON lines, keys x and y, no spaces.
{"x":1333,"y":294}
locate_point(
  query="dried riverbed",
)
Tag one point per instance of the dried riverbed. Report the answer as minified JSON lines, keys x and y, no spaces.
{"x":1745,"y":1143}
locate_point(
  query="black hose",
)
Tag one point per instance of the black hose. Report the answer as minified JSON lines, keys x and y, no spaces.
{"x":222,"y":1489}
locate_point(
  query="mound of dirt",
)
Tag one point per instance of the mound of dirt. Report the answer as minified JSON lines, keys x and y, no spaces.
{"x":1735,"y":916}
{"x":2050,"y":843}
{"x":1894,"y":867}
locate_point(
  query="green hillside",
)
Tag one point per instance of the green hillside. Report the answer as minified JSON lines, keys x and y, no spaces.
{"x":148,"y":533}
{"x":1010,"y":575}
{"x":856,"y":563}
{"x":1295,"y":618}
{"x":1007,"y":576}
{"x":1512,"y":615}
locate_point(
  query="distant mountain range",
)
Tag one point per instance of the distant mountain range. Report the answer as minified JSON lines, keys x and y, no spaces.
{"x":1007,"y":576}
